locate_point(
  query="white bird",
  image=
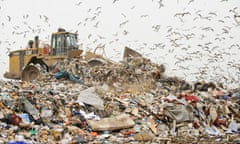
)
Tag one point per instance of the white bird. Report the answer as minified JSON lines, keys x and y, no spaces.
{"x":123,"y":15}
{"x":9,"y":18}
{"x":123,"y":23}
{"x":191,"y":1}
{"x":89,"y":36}
{"x":143,"y":16}
{"x":212,"y":13}
{"x":78,"y":3}
{"x":160,"y":2}
{"x":125,"y":32}
{"x":182,"y":14}
{"x":98,"y":8}
{"x":100,"y":37}
{"x":8,"y":50}
{"x":96,"y":25}
{"x":114,"y":1}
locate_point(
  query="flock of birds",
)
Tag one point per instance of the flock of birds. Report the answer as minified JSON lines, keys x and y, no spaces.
{"x":196,"y":51}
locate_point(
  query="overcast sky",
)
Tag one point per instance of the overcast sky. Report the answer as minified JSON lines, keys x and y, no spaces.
{"x":195,"y":39}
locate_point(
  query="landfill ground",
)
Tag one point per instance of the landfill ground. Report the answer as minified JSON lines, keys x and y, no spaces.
{"x":132,"y":101}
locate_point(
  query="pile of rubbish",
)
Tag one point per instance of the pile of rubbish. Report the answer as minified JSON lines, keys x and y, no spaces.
{"x":131,"y":101}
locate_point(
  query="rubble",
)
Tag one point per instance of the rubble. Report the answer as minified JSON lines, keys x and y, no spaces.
{"x":122,"y":121}
{"x":89,"y":96}
{"x":127,"y":102}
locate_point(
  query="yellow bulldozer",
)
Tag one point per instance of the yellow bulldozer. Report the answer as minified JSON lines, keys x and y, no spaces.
{"x":22,"y":62}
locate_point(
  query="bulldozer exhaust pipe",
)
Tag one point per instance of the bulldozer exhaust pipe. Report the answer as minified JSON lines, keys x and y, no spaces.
{"x":36,"y":40}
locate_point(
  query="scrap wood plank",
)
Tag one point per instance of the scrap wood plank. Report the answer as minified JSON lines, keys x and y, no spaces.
{"x":152,"y":125}
{"x":114,"y":123}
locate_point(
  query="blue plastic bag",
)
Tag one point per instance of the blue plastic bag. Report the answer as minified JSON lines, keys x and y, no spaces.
{"x":60,"y":74}
{"x":17,"y":142}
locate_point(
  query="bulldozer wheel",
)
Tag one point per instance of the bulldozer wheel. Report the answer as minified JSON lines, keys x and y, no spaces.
{"x":30,"y":73}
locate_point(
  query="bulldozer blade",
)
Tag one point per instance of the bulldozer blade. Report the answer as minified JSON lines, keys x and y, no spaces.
{"x":30,"y":73}
{"x":128,"y":52}
{"x":96,"y":62}
{"x":75,"y":53}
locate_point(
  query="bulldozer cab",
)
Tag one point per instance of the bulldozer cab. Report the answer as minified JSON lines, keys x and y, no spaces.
{"x":63,"y":43}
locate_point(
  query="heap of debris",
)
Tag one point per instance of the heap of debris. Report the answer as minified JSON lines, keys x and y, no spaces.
{"x":130,"y":101}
